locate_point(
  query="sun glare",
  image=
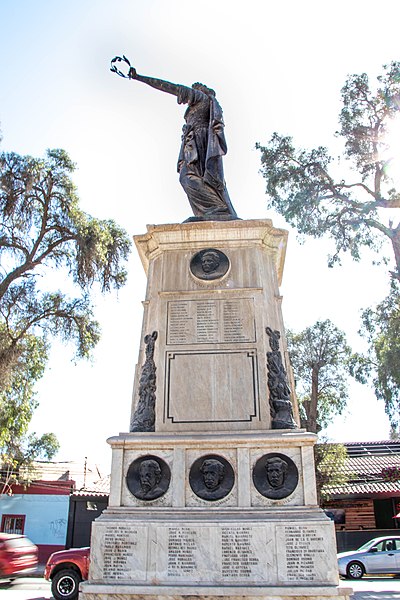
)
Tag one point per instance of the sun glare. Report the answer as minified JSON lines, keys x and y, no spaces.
{"x":392,"y":153}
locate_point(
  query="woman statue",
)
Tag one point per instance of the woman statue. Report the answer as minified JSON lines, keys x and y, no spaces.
{"x":203,"y":146}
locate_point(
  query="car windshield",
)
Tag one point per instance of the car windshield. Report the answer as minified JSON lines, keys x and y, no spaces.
{"x":366,"y":545}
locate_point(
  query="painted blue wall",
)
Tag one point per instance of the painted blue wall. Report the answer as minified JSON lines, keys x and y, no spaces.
{"x":46,"y":516}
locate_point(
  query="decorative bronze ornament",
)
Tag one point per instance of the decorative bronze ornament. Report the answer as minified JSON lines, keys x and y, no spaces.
{"x":209,"y":264}
{"x":211,"y":477}
{"x":145,"y":416}
{"x":275,"y":476}
{"x":148,"y":477}
{"x":120,"y":59}
{"x":279,"y":391}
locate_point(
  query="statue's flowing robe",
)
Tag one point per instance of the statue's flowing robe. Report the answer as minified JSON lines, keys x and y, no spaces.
{"x":200,"y":158}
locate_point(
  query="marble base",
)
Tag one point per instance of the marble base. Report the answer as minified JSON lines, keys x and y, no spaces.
{"x":120,"y":592}
{"x":243,"y":541}
{"x":269,"y":548}
{"x":241,"y":449}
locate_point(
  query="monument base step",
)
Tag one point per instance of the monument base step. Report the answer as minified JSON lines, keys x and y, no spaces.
{"x":96,"y":591}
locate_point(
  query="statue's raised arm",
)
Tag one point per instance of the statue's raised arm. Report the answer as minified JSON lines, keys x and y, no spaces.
{"x":158,"y":84}
{"x":203,"y":145}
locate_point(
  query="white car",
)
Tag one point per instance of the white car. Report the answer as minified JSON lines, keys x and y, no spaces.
{"x":380,"y":555}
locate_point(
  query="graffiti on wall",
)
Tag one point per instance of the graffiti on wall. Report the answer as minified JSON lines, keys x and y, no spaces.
{"x":58,"y":527}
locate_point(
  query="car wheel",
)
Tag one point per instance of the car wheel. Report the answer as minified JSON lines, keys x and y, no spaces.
{"x":65,"y":585}
{"x":355,"y":570}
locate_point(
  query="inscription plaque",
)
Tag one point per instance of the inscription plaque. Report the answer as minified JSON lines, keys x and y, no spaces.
{"x":124,"y":553}
{"x":182,"y":552}
{"x":240,"y":555}
{"x":303,"y":554}
{"x":223,"y":388}
{"x":225,"y":321}
{"x":230,"y":553}
{"x":214,"y":554}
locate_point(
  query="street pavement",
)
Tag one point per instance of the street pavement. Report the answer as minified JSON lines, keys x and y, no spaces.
{"x":369,"y":588}
{"x":374,"y":588}
{"x":26,"y":588}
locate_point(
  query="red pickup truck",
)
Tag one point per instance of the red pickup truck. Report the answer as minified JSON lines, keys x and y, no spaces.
{"x":66,"y":569}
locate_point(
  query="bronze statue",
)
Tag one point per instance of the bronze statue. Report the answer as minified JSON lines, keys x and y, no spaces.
{"x":203,"y":146}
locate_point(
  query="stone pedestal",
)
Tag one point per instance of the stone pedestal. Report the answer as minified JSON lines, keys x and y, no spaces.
{"x":210,"y":496}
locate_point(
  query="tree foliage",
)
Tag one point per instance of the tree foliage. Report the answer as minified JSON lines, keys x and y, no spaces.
{"x":43,"y":229}
{"x":18,"y":462}
{"x":17,"y":396}
{"x":303,"y":187}
{"x":17,"y":403}
{"x":330,"y":461}
{"x":42,"y":232}
{"x":320,"y":357}
{"x":381,"y":364}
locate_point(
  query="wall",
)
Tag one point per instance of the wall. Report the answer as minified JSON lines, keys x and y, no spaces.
{"x":80,"y":519}
{"x":359,"y":513}
{"x":351,"y":540}
{"x":46,"y":519}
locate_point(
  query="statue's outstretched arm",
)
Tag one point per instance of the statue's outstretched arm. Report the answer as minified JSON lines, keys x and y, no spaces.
{"x":158,"y":84}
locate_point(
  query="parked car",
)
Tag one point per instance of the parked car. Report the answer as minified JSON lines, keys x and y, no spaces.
{"x":18,"y":555}
{"x":380,"y":555}
{"x":66,"y":569}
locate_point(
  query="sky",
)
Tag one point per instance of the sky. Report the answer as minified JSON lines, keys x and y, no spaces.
{"x":276,"y":66}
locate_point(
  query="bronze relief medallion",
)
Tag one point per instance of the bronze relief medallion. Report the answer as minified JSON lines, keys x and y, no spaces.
{"x":209,"y":264}
{"x":148,"y":477}
{"x":211,"y":477}
{"x":275,"y":476}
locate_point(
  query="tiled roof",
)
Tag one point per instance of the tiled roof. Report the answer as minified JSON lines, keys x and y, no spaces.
{"x":363,"y":468}
{"x":101,"y":487}
{"x":370,"y":466}
{"x":368,"y":448}
{"x":383,"y":487}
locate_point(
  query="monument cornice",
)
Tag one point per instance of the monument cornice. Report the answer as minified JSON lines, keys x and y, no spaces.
{"x":243,"y":439}
{"x":197,"y":235}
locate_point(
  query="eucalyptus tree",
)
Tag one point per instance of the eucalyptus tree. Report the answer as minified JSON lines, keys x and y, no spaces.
{"x":321,"y":362}
{"x":354,"y":202}
{"x":44,"y":232}
{"x":362,"y":210}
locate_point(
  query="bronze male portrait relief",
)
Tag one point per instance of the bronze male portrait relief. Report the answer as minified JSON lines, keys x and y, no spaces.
{"x":275,"y":476}
{"x":209,"y":264}
{"x":148,"y":477}
{"x":211,"y":477}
